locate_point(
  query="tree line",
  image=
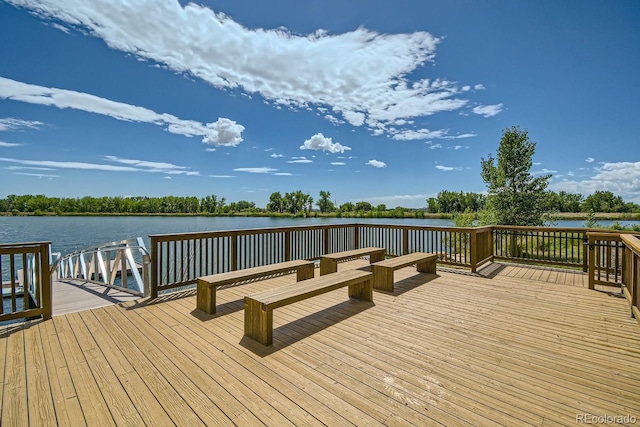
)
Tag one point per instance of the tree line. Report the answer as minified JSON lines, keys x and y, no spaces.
{"x":550,"y":201}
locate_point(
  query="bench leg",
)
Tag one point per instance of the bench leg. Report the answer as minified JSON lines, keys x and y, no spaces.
{"x":305,"y":273}
{"x":206,"y":297}
{"x":427,"y":266}
{"x":376,"y":256}
{"x":328,"y":266}
{"x":363,"y":290}
{"x":382,"y":278}
{"x":258,"y":322}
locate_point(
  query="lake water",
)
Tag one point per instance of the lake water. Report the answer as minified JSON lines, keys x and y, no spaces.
{"x":68,"y":233}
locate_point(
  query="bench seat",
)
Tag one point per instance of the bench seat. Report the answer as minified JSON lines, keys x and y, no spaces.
{"x":206,"y":292}
{"x":258,"y":308}
{"x":329,"y":262}
{"x":383,"y":270}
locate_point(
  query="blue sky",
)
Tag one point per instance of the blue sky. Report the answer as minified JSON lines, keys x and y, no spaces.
{"x":379,"y":101}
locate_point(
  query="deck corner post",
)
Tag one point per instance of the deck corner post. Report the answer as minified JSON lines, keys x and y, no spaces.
{"x":45,"y":281}
{"x":155,"y":268}
{"x":473,"y":249}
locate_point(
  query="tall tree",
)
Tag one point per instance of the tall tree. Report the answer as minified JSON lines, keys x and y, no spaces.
{"x":325,"y":204}
{"x":515,"y":195}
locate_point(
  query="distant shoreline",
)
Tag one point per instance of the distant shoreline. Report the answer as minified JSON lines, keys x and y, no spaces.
{"x":577,"y":216}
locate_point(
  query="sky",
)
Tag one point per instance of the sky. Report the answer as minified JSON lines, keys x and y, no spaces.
{"x":371,"y":100}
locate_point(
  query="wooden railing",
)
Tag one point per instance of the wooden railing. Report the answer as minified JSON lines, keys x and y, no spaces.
{"x":26,"y":280}
{"x":606,"y":256}
{"x":179,"y":259}
{"x":631,"y":273}
{"x":541,"y":245}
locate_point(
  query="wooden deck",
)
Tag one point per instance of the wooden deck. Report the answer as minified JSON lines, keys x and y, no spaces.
{"x":517,"y":347}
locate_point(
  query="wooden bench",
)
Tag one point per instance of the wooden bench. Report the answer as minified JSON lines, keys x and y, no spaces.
{"x":258,"y":308}
{"x":329,"y":262}
{"x":383,"y":270}
{"x":206,"y":294}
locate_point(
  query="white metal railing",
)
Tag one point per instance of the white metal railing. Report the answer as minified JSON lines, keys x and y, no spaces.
{"x":123,"y":265}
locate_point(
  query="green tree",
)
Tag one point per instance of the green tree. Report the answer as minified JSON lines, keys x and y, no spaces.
{"x":515,"y":196}
{"x":363,"y":206}
{"x":347,"y":207}
{"x":276,"y":204}
{"x":324,"y":203}
{"x":604,"y":201}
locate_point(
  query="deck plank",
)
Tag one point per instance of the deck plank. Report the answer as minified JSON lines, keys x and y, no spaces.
{"x":65,"y":399}
{"x":39,"y":398}
{"x":513,"y":345}
{"x":14,"y":403}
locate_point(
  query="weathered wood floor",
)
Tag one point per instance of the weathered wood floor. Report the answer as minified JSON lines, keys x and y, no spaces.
{"x":446,"y":349}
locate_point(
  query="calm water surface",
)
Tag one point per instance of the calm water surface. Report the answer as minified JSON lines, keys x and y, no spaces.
{"x":68,"y":234}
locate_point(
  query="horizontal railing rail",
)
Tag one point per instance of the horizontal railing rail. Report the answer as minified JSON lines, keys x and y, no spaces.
{"x":123,"y":265}
{"x":26,"y":280}
{"x":631,"y":272}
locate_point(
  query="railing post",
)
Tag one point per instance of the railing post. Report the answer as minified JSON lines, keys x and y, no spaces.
{"x":326,"y":241}
{"x":405,"y":241}
{"x":473,"y":249}
{"x":45,"y":282}
{"x":287,"y":246}
{"x":585,"y":257}
{"x":592,"y":261}
{"x":155,"y":267}
{"x":146,"y":261}
{"x":355,"y":236}
{"x":234,"y":251}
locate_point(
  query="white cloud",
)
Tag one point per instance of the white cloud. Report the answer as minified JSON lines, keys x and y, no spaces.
{"x":15,"y":168}
{"x":9,"y":144}
{"x":376,"y":164}
{"x":132,"y":165}
{"x":320,"y":142}
{"x":223,"y":132}
{"x":283,"y":174}
{"x":276,"y":156}
{"x":589,"y":160}
{"x":444,"y":168}
{"x":488,"y":110}
{"x":299,"y":160}
{"x":479,"y":87}
{"x":338,"y":163}
{"x":221,"y":176}
{"x":434,"y":146}
{"x":544,"y":171}
{"x":363,"y":75}
{"x":167,"y":177}
{"x":11,"y":124}
{"x":409,"y":135}
{"x":621,"y":178}
{"x":333,"y":119}
{"x":37,"y":175}
{"x":255,"y":170}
